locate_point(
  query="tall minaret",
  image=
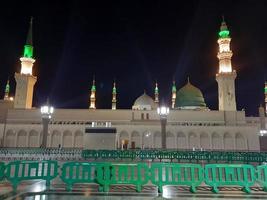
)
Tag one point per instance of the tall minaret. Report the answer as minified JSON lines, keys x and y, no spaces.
{"x":114,"y":96}
{"x":25,"y":80}
{"x":156,"y":93}
{"x":265,"y":92}
{"x":173,"y":94}
{"x":226,"y":75}
{"x":7,"y":89}
{"x":92,"y":96}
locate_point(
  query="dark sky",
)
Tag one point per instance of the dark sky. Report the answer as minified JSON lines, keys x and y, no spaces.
{"x":135,"y":42}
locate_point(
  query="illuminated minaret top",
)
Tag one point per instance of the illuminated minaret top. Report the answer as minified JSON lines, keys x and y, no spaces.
{"x":173,"y":94}
{"x":25,"y":80}
{"x":27,"y":59}
{"x":156,"y":93}
{"x":92,"y":96}
{"x":114,"y":96}
{"x":7,"y":89}
{"x":226,"y":75}
{"x":225,"y":54}
{"x":265,"y":93}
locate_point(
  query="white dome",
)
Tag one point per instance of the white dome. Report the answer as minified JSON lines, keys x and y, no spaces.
{"x":144,"y":102}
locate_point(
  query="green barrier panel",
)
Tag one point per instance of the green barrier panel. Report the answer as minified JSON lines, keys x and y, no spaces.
{"x":148,"y":154}
{"x":215,"y":156}
{"x":18,"y":171}
{"x":126,"y":154}
{"x":262,"y":176}
{"x":176,"y":174}
{"x":131,"y":174}
{"x":108,"y":154}
{"x":2,"y":170}
{"x":78,"y":172}
{"x":166,"y":155}
{"x":90,"y":154}
{"x":228,"y":174}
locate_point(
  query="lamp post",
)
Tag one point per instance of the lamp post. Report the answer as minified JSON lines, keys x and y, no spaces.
{"x":46,"y":112}
{"x":163,"y":112}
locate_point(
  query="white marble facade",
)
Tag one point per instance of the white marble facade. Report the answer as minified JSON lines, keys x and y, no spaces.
{"x":205,"y":130}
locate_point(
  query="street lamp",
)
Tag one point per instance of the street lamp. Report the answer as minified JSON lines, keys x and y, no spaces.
{"x":46,"y":112}
{"x":163,"y":112}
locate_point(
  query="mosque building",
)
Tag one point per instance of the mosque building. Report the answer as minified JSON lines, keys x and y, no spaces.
{"x":190,"y":123}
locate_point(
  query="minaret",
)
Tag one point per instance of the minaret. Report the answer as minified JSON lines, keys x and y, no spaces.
{"x":25,"y":80}
{"x":7,"y":89}
{"x":265,"y":93}
{"x":173,"y":94}
{"x":156,"y":93}
{"x":92,"y":96}
{"x":226,"y":75}
{"x":114,"y":96}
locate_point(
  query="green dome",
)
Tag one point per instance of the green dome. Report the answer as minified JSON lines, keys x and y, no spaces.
{"x":189,"y":96}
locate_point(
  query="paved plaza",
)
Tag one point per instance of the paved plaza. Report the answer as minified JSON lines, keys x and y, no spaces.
{"x":36,"y":190}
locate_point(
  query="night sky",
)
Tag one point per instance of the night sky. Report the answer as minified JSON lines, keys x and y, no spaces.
{"x":136,"y":43}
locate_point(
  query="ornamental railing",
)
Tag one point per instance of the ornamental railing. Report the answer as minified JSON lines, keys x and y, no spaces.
{"x":137,"y":155}
{"x":177,"y":155}
{"x":137,"y":174}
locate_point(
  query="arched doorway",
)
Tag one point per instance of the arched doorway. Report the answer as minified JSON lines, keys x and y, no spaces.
{"x":33,"y":139}
{"x":216,"y":141}
{"x":67,"y":139}
{"x":78,"y":139}
{"x":204,"y":141}
{"x":157,"y":140}
{"x":193,"y":141}
{"x":181,"y":141}
{"x":170,"y":141}
{"x":22,"y":138}
{"x":240,"y":142}
{"x":228,"y":141}
{"x":135,"y":140}
{"x":10,"y":140}
{"x":147,"y":140}
{"x":55,"y":139}
{"x":124,"y":140}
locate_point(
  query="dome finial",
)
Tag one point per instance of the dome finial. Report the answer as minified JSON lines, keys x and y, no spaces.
{"x":224,"y":32}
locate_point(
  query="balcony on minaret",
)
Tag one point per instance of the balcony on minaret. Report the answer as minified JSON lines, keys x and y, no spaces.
{"x":26,"y":65}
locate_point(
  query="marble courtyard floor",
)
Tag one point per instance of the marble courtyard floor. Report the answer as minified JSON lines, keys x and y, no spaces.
{"x":36,"y":190}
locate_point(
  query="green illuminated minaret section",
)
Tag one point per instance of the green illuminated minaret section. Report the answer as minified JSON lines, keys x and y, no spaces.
{"x":156,"y":93}
{"x":25,"y":80}
{"x":114,"y":96}
{"x":224,"y":32}
{"x":28,"y":47}
{"x":173,"y":94}
{"x":7,"y":89}
{"x":27,"y":59}
{"x":93,"y":96}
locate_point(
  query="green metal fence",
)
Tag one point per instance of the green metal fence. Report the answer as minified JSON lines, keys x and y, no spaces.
{"x":176,"y":174}
{"x":225,"y":174}
{"x":78,"y":172}
{"x":2,"y":170}
{"x":131,"y":174}
{"x":262,"y":176}
{"x":137,"y":174}
{"x":177,"y":156}
{"x":18,"y":171}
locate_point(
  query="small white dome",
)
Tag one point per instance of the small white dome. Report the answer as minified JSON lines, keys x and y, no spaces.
{"x":144,"y":102}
